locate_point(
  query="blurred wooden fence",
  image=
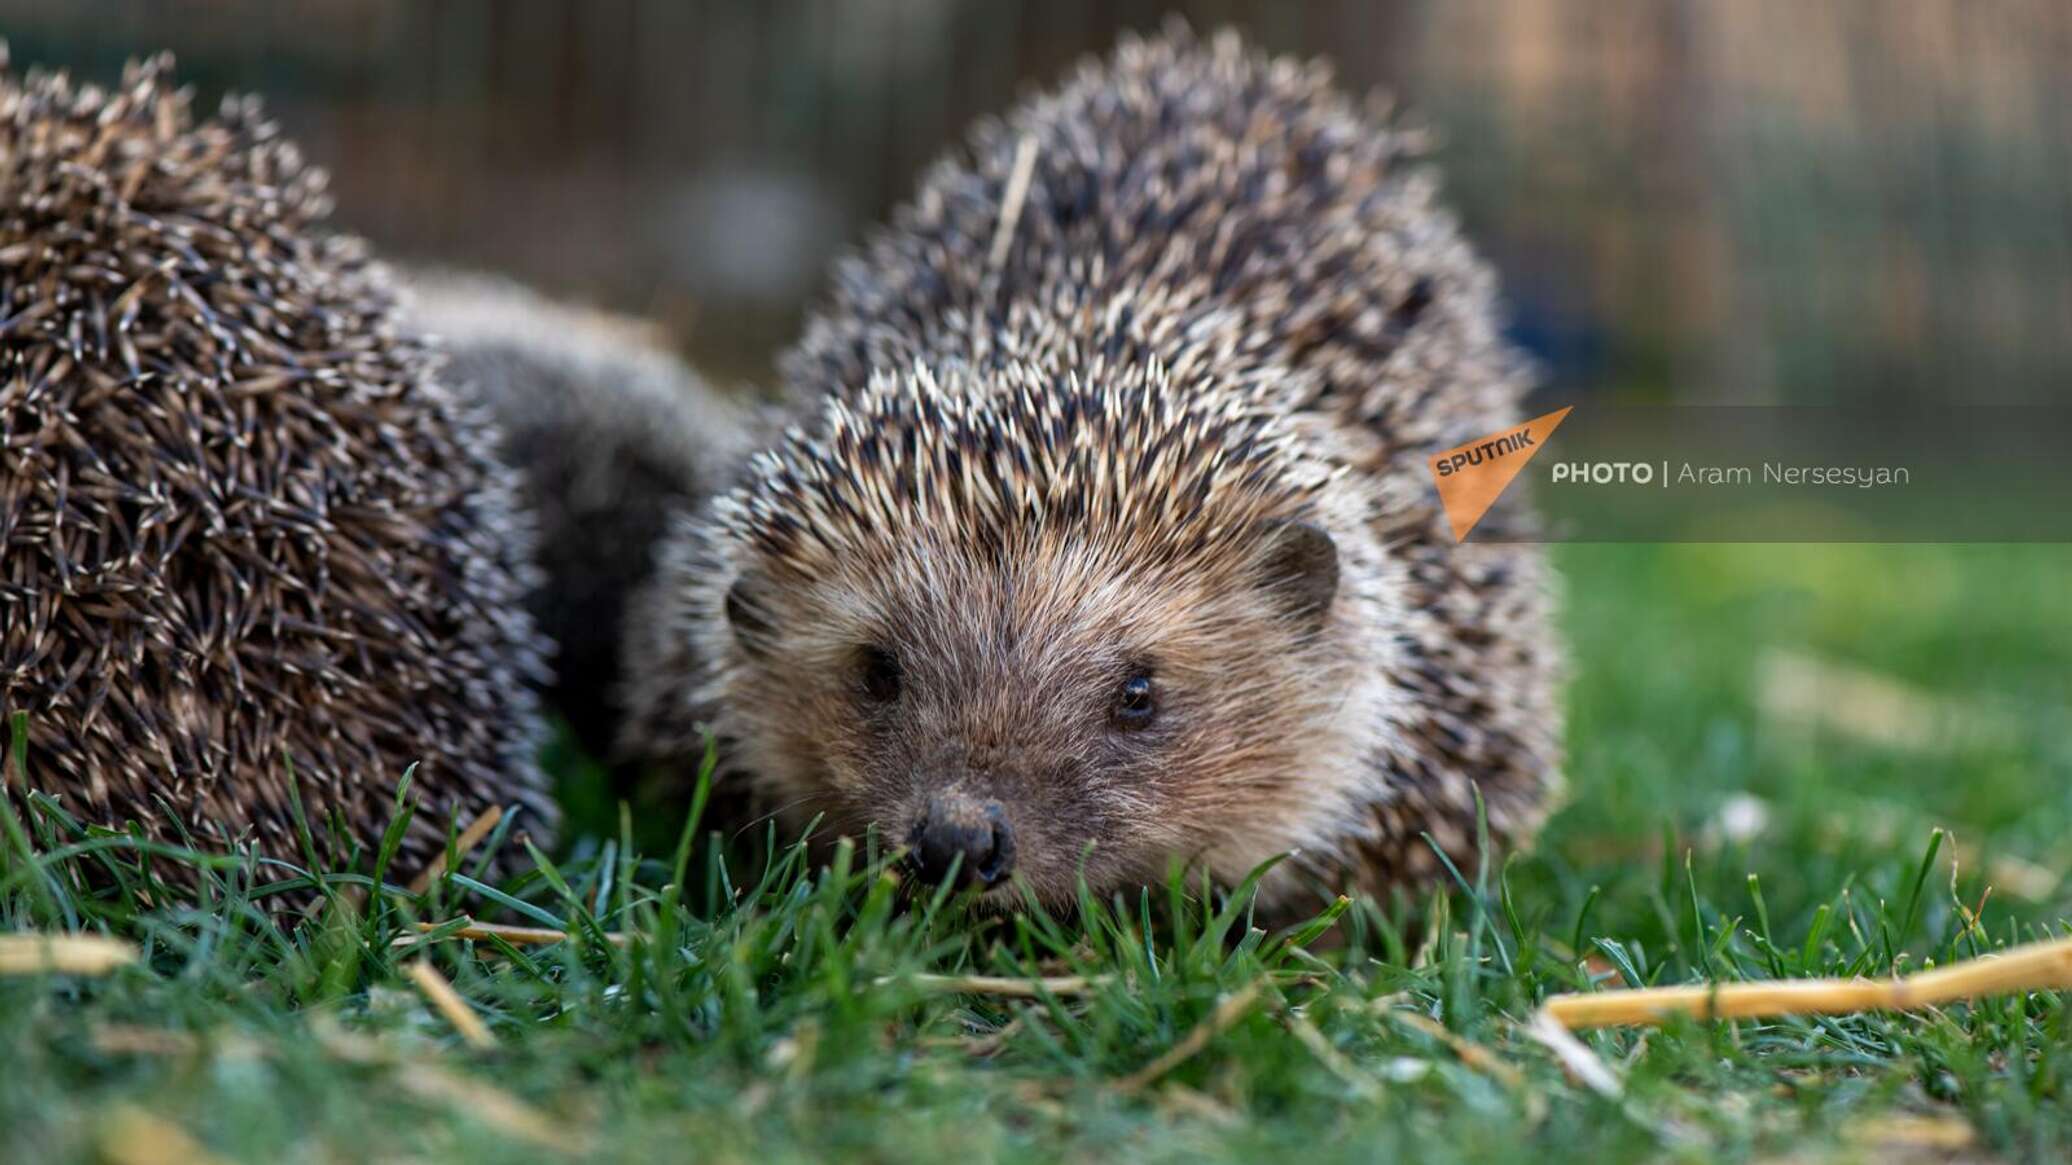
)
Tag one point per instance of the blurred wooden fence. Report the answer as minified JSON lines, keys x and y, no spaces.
{"x":1709,"y":199}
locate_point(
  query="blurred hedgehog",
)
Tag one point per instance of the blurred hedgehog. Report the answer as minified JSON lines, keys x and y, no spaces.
{"x":611,"y":434}
{"x":1104,"y":538}
{"x":247,"y":538}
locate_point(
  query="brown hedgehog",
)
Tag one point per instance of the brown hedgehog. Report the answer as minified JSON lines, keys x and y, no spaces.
{"x":1104,"y":539}
{"x":611,"y":434}
{"x":246,"y":536}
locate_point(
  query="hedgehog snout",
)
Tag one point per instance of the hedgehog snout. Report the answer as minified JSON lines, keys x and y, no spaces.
{"x":962,"y":837}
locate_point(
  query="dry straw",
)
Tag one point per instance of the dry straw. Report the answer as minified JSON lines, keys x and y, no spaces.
{"x":440,"y":992}
{"x":1010,"y":987}
{"x":2043,"y":966}
{"x":515,"y":935}
{"x":63,"y":954}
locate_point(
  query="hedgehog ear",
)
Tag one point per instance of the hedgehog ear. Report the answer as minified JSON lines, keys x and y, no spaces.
{"x":748,"y":613}
{"x":1300,"y":569}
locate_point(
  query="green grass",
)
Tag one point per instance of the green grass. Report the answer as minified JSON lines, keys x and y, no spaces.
{"x":770,"y":1013}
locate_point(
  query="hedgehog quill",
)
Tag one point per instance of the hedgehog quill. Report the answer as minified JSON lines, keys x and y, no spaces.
{"x":247,"y":536}
{"x":1101,"y":538}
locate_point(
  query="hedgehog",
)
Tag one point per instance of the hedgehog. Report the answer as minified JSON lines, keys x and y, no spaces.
{"x":252,"y":548}
{"x":1101,"y":542}
{"x":611,"y":434}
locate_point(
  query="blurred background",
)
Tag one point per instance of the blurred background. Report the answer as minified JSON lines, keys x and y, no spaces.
{"x":1734,"y":201}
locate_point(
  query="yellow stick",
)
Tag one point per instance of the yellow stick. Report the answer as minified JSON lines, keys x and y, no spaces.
{"x":1472,"y":1054}
{"x":1000,"y":985}
{"x":462,"y":846}
{"x":450,"y":1004}
{"x":30,"y":953}
{"x":428,"y":1081}
{"x":131,"y":1136}
{"x":1231,"y":1009}
{"x":515,"y":935}
{"x":2044,"y":966}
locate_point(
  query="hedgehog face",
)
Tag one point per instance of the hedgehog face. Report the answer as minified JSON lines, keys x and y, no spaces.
{"x":1035,"y":692}
{"x":1042,"y":708}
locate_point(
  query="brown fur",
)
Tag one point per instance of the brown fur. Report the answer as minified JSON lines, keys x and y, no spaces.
{"x":1226,"y":323}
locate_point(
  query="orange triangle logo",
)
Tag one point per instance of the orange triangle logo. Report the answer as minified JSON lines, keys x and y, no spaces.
{"x":1473,"y":476}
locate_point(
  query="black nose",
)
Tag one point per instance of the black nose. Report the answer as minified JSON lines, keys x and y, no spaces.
{"x":955,"y":828}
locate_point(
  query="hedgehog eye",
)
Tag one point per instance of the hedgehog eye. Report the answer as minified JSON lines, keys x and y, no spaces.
{"x":1136,"y":702}
{"x":880,"y":675}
